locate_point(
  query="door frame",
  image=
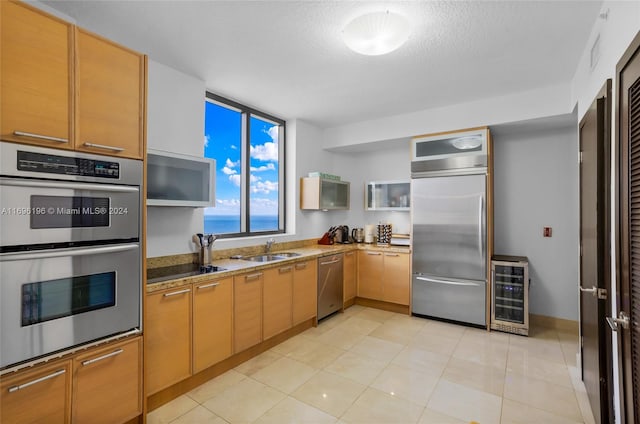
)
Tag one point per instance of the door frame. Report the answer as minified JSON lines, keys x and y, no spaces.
{"x":602,"y":102}
{"x":625,"y":405}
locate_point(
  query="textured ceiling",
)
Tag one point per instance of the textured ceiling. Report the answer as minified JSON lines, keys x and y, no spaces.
{"x":287,"y":57}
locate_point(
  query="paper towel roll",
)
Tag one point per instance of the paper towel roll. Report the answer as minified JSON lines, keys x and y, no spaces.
{"x":369,"y":232}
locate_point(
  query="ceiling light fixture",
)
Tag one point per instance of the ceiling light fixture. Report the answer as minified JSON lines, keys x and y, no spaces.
{"x":376,"y":33}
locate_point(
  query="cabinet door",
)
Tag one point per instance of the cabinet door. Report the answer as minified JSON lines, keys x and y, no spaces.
{"x":397,"y":278}
{"x":212,"y":323}
{"x":370,"y":267}
{"x":276,"y":299}
{"x":111,"y":94}
{"x":305,"y":291}
{"x":247,"y":311}
{"x":38,"y":396}
{"x":107,"y":384}
{"x":167,"y":329}
{"x":35,"y":77}
{"x":349,"y":275}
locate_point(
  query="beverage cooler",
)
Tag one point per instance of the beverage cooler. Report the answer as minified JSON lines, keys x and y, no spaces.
{"x":510,"y":294}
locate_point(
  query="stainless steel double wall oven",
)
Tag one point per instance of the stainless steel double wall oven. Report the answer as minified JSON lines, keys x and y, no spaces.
{"x":70,"y":255}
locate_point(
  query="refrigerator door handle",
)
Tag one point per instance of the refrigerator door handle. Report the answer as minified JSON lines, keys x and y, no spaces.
{"x":452,"y":283}
{"x":480,"y":226}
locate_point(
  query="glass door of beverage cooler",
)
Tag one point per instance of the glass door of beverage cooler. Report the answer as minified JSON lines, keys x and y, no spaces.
{"x":510,"y":310}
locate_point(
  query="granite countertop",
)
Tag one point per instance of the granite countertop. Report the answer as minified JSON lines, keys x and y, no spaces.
{"x":234,"y":267}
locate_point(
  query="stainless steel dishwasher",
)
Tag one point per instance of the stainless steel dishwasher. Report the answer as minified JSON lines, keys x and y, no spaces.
{"x":329,"y":285}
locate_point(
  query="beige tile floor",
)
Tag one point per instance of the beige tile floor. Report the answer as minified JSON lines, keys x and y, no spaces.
{"x":371,"y":366}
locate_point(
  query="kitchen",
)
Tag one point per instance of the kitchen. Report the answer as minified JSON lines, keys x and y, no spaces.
{"x":535,"y":171}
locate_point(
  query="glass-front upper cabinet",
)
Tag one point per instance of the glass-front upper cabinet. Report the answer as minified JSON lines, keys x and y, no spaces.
{"x":387,"y":195}
{"x":323,"y":194}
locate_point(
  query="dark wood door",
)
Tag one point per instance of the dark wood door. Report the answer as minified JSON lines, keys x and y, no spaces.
{"x":628,"y":283}
{"x":595,"y":141}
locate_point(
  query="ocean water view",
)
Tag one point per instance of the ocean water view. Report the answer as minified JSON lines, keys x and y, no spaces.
{"x":222,"y":224}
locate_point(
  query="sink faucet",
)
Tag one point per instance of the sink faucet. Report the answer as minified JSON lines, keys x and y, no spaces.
{"x":270,"y":242}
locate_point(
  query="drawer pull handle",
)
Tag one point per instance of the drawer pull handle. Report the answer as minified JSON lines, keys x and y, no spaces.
{"x":36,"y":381}
{"x":395,"y":255}
{"x":102,"y":146}
{"x":206,"y":286}
{"x":285,"y":269}
{"x":349,"y":254}
{"x":253,"y":276}
{"x":40,"y":136}
{"x":100,"y":358}
{"x":374,"y":253}
{"x":330,"y":262}
{"x":177,"y":292}
{"x":301,"y":266}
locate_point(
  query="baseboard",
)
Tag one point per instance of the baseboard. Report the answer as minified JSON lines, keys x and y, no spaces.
{"x":166,"y":395}
{"x":386,"y":306}
{"x":349,"y":302}
{"x":560,"y":324}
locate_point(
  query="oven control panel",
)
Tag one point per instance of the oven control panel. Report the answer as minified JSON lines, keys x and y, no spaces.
{"x":54,"y":164}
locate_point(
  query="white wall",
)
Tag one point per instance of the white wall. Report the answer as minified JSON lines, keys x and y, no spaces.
{"x":536,"y":185}
{"x":175,"y":123}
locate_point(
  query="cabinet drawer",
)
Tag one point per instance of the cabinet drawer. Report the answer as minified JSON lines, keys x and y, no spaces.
{"x":107,"y":384}
{"x":39,"y":396}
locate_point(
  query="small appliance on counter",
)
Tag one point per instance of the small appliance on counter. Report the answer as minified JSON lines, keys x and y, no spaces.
{"x":369,"y":232}
{"x":357,"y":234}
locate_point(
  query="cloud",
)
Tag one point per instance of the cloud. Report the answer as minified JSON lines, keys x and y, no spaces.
{"x":264,"y":187}
{"x":262,"y":206}
{"x":273,"y":133}
{"x":265,"y":152}
{"x":254,"y":178}
{"x":235,"y":179}
{"x":231,"y":164}
{"x":207,"y":138}
{"x":234,"y":147}
{"x":228,"y":202}
{"x":228,"y":168}
{"x":268,"y":167}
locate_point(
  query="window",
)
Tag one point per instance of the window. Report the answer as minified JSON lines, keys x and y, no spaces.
{"x":248,"y":146}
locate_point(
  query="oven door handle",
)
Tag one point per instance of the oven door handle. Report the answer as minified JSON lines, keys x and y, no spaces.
{"x":73,"y":186}
{"x":57,"y":253}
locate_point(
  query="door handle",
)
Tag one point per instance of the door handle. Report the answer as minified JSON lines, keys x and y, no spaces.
{"x":621,"y":321}
{"x":102,"y":146}
{"x":40,"y":136}
{"x":595,"y":292}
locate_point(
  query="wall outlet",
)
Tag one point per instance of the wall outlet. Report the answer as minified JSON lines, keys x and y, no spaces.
{"x":546,"y":231}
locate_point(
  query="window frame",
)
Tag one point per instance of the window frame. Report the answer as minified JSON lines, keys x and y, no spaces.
{"x":247,"y":112}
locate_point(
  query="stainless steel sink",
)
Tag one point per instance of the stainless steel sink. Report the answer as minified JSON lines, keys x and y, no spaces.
{"x":271,"y":257}
{"x":287,"y":254}
{"x":263,"y":258}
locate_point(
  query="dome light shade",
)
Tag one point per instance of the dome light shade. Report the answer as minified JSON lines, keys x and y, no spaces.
{"x":467,"y":142}
{"x":376,"y":33}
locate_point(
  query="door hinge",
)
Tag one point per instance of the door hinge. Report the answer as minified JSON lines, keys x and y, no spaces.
{"x":580,"y":157}
{"x":580,"y":249}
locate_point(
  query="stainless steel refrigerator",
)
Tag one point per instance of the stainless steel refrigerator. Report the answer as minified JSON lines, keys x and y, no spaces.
{"x":449,"y":259}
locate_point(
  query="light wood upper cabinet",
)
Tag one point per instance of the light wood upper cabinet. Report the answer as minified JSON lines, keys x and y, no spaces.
{"x":397,"y":278}
{"x":247,"y":310}
{"x":305,"y":291}
{"x":212,"y":322}
{"x":167,"y":328}
{"x":320,"y":194}
{"x":349,"y":276}
{"x":277,"y":300}
{"x":39,"y":396}
{"x":111,"y":90}
{"x":370,"y":268}
{"x":36,"y":77}
{"x":107,"y":384}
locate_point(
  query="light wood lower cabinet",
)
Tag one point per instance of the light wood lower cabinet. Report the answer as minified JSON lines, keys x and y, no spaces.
{"x":38,"y":396}
{"x":384,"y":276}
{"x":277,"y":300}
{"x":350,"y":277}
{"x":370,"y":268}
{"x":305,"y":291}
{"x":247,"y":310}
{"x":107,"y":384}
{"x":397,"y":278}
{"x":167,"y":328}
{"x":212,"y":322}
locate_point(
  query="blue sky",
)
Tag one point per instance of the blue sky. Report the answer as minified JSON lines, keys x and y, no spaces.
{"x":222,"y":138}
